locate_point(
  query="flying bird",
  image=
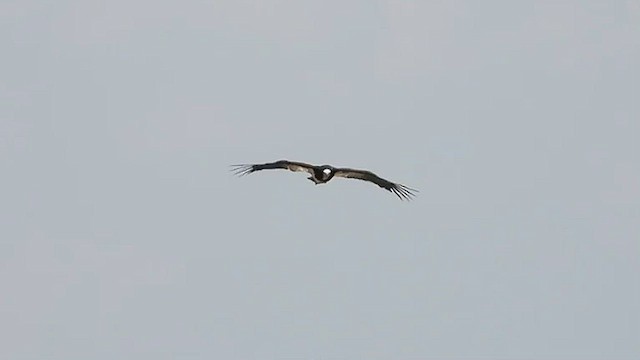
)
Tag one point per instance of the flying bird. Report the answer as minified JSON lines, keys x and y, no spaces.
{"x":323,"y":173}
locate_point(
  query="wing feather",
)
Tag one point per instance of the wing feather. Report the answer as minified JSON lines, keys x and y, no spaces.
{"x":402,"y":191}
{"x":244,"y":169}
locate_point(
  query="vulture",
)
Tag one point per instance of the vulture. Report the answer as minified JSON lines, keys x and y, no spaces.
{"x":323,"y":173}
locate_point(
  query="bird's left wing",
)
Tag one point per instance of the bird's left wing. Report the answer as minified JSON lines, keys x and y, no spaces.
{"x":245,"y":169}
{"x":402,"y":191}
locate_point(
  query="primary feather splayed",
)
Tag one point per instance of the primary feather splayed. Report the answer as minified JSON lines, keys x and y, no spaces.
{"x":323,"y":173}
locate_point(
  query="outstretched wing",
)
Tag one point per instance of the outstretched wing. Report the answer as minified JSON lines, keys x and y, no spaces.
{"x":403,"y":192}
{"x":244,"y":169}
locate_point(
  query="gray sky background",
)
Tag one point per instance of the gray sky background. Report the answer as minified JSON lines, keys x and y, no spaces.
{"x":123,"y":234}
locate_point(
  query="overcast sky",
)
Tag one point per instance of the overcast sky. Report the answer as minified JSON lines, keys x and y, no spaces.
{"x":123,"y":235}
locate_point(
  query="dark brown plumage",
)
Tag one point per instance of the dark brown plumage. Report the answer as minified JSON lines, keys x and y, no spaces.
{"x":324,"y":173}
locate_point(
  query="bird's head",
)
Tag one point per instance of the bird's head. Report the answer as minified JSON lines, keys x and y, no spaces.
{"x":327,"y":171}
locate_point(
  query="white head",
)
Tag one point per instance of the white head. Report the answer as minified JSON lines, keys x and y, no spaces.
{"x":326,"y":171}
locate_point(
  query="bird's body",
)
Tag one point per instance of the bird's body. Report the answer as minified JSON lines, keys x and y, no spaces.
{"x":323,"y":173}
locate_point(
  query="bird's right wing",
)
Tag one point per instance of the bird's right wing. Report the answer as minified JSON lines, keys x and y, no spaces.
{"x":402,"y":191}
{"x":244,"y":169}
